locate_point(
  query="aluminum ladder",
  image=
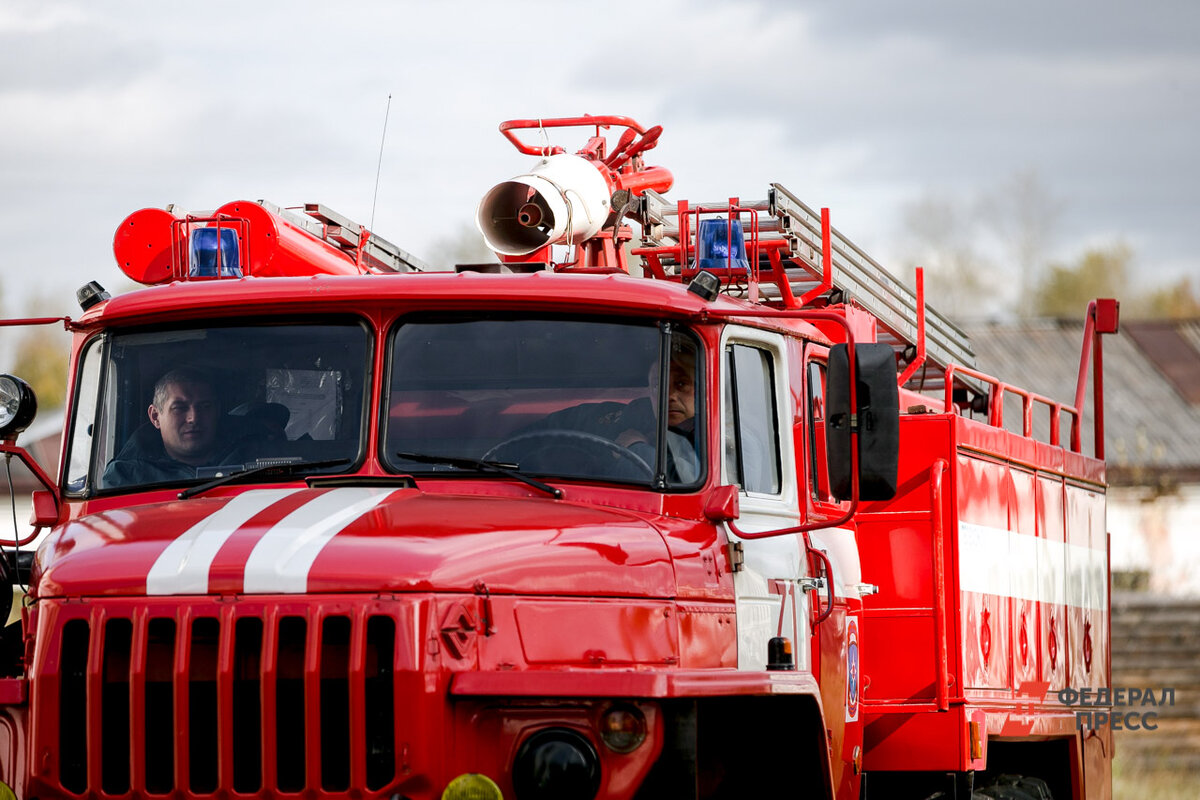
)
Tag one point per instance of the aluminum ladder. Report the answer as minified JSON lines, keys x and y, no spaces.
{"x":856,"y":276}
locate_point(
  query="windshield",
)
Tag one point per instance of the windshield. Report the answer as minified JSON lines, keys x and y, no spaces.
{"x":179,"y":405}
{"x":558,"y":398}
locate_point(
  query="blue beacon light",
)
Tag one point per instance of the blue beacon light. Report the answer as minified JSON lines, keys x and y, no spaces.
{"x":204,"y":246}
{"x":713,"y":250}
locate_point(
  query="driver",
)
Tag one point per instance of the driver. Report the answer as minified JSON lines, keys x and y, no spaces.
{"x":181,"y":434}
{"x":633,"y":425}
{"x":682,"y":463}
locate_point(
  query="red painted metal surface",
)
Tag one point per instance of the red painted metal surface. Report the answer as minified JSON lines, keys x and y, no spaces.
{"x":508,"y":127}
{"x":48,"y":503}
{"x":622,"y":168}
{"x":1015,"y":488}
{"x":826,"y":264}
{"x":938,"y":510}
{"x":414,"y":541}
{"x":151,"y":245}
{"x":919,"y":359}
{"x":1102,"y":318}
{"x":35,"y":321}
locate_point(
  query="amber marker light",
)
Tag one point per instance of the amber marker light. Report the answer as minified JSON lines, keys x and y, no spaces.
{"x":472,"y":786}
{"x":623,"y":729}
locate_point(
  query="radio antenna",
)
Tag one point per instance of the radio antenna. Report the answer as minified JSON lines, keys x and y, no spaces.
{"x":379,"y":166}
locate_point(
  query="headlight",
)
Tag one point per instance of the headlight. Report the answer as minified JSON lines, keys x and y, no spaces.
{"x":556,"y":764}
{"x":18,"y":405}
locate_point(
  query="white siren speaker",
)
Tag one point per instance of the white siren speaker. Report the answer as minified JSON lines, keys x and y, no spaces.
{"x":563,"y":200}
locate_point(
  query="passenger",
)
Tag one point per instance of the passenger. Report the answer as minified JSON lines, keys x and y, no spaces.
{"x":181,"y":434}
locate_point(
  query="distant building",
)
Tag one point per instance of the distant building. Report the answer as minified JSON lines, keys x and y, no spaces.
{"x":1152,"y":432}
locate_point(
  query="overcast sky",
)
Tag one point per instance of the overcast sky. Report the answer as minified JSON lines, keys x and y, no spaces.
{"x":107,"y":107}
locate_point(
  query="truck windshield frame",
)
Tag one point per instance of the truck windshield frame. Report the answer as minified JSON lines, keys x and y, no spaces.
{"x":275,"y":392}
{"x":555,"y":397}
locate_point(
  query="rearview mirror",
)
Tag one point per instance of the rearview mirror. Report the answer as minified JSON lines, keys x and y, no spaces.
{"x":876,"y":421}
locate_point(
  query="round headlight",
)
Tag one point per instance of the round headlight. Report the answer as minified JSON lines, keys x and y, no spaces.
{"x":623,"y":728}
{"x":470,"y":786}
{"x":556,"y":764}
{"x":17,"y":406}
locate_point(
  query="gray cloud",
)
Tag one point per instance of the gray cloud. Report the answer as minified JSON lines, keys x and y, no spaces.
{"x":71,"y":57}
{"x":1020,"y":27}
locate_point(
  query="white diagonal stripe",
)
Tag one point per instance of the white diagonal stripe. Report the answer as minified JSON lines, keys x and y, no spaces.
{"x":183,"y":567}
{"x":282,"y":558}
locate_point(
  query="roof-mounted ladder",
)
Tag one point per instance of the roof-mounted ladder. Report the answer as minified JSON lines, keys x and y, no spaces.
{"x":378,"y":254}
{"x":788,"y":226}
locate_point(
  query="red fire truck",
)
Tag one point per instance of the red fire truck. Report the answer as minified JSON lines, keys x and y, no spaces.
{"x":329,"y":524}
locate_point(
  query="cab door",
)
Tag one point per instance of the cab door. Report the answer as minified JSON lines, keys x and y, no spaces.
{"x":757,"y":446}
{"x":837,"y":643}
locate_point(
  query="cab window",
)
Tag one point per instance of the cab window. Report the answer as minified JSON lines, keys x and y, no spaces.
{"x":752,"y":458}
{"x":182,"y":404}
{"x":550,"y":397}
{"x":817,"y":455}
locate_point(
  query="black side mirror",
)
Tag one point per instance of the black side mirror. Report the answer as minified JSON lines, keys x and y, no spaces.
{"x":877,"y":421}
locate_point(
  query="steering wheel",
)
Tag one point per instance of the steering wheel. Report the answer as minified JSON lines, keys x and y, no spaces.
{"x":591,"y":444}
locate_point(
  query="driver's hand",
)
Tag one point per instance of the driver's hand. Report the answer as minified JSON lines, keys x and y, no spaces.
{"x":631,"y":436}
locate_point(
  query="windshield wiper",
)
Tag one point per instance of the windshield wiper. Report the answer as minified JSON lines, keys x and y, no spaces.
{"x":275,"y":470}
{"x":462,"y":462}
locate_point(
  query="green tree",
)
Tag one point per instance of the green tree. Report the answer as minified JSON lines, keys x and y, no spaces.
{"x":1179,"y":300}
{"x":38,"y":353}
{"x":1066,"y":289}
{"x":41,"y":359}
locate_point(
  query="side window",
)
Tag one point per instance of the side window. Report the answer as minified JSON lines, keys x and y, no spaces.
{"x":818,"y":460}
{"x":752,"y":433}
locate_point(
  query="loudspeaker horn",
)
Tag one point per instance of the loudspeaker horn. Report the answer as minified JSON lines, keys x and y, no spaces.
{"x":563,"y":200}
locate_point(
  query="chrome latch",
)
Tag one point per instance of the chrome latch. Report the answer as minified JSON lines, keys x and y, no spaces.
{"x":811,"y":584}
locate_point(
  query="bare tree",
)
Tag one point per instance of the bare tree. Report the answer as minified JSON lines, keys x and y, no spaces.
{"x":1023,"y":214}
{"x":464,"y":246}
{"x":943,"y":235}
{"x":985,"y":255}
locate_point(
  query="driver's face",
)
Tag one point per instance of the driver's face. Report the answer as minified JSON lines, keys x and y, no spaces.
{"x":187,"y":421}
{"x":681,"y":393}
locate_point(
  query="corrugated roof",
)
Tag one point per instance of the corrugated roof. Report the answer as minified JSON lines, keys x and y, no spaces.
{"x":1167,"y":346}
{"x":1150,"y":425}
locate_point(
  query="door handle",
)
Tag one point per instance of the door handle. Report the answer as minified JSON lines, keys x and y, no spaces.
{"x":828,"y":580}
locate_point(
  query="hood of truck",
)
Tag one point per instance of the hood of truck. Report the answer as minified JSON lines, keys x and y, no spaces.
{"x":355,"y":539}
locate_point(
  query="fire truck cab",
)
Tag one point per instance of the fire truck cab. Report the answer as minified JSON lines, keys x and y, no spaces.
{"x":330,"y":524}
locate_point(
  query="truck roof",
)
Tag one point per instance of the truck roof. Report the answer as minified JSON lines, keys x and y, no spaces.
{"x":435,"y":291}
